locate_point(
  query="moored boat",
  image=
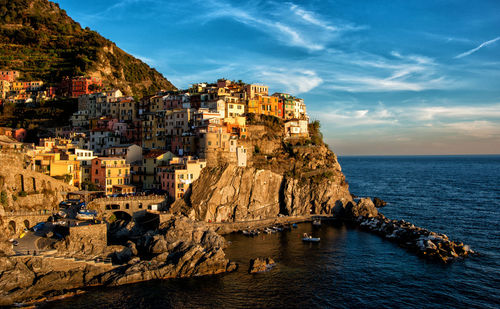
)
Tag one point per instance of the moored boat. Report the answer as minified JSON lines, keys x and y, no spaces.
{"x":309,"y":238}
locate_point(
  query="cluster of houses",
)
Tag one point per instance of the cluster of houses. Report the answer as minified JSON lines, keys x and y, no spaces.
{"x":162,"y":142}
{"x":13,"y":90}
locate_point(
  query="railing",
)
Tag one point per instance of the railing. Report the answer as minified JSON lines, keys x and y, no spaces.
{"x":129,"y":198}
{"x":28,"y":213}
{"x":41,"y":253}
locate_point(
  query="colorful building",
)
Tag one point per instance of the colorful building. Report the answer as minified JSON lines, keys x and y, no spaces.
{"x":179,"y":174}
{"x":59,"y":165}
{"x":77,"y":86}
{"x":109,"y":171}
{"x":9,"y":76}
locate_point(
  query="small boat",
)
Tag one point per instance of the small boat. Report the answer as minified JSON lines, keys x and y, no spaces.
{"x":309,"y":238}
{"x":277,"y":228}
{"x":317,"y":222}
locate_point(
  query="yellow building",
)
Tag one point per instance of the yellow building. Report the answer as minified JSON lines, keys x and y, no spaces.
{"x":4,"y":88}
{"x":179,"y":174}
{"x":109,"y":171}
{"x":59,"y":165}
{"x":234,"y":109}
{"x":150,"y":163}
{"x":253,"y":106}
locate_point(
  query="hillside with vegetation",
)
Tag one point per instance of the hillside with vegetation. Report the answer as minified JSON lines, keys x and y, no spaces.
{"x":41,"y":41}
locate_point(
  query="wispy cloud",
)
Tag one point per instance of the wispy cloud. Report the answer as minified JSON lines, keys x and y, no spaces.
{"x":479,"y":118}
{"x":295,"y":81}
{"x":365,"y":72}
{"x":279,"y":25}
{"x":311,"y":18}
{"x":484,"y":44}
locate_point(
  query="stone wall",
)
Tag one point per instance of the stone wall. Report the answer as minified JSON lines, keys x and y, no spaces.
{"x":25,"y":189}
{"x":135,"y":205}
{"x":13,"y":224}
{"x":96,"y":232}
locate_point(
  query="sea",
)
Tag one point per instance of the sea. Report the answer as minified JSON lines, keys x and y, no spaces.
{"x":455,"y":195}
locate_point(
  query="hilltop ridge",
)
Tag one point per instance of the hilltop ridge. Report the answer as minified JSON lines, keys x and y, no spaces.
{"x":39,"y":39}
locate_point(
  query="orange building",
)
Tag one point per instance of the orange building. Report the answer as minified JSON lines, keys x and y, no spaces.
{"x":9,"y":76}
{"x":108,"y":172}
{"x":268,"y":105}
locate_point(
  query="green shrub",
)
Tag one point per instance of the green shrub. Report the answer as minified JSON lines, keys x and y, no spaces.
{"x":22,"y":194}
{"x":3,"y":198}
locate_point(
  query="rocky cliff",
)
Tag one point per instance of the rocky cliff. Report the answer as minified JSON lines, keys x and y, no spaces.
{"x":283,"y":176}
{"x":179,"y":248}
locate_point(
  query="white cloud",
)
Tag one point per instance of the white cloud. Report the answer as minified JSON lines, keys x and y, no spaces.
{"x":478,"y":129}
{"x":484,"y":44}
{"x":295,"y":81}
{"x":310,"y":18}
{"x":471,"y":120}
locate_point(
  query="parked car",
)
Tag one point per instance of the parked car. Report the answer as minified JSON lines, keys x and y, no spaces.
{"x":39,"y":226}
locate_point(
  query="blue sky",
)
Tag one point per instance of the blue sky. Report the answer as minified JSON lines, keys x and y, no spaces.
{"x":383,"y":77}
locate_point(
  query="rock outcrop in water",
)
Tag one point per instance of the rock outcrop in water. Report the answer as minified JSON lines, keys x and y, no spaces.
{"x":259,"y":265}
{"x":419,"y":240}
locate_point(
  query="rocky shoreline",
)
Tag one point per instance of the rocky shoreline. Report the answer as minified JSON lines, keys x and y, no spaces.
{"x":179,"y":248}
{"x":182,"y":247}
{"x":424,"y":243}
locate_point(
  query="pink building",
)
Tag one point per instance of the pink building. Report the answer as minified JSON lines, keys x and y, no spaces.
{"x":19,"y":134}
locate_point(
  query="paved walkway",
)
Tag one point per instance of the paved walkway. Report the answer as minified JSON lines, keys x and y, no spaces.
{"x":229,"y":227}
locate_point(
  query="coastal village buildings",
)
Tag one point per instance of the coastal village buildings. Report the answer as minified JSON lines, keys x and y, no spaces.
{"x":161,"y":142}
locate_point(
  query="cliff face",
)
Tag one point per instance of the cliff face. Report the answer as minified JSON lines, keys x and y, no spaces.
{"x":289,"y":177}
{"x":40,"y":40}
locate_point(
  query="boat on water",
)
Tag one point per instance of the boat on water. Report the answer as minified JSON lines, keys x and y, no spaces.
{"x":251,"y":233}
{"x":309,"y":238}
{"x":317,"y":222}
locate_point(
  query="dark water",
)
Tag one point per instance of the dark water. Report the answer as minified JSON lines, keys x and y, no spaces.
{"x":458,"y":196}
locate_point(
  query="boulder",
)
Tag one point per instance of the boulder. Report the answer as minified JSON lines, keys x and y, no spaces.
{"x":261,"y":265}
{"x":379,"y":203}
{"x":364,"y":208}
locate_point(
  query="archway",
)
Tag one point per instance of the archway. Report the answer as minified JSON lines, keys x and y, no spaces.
{"x":121,"y":215}
{"x":26,"y":224}
{"x":12,"y":227}
{"x":118,"y":227}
